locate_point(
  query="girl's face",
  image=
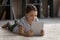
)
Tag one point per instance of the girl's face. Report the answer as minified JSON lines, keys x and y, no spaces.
{"x":31,"y":16}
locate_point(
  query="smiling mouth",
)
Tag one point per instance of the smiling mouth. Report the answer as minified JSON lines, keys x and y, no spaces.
{"x":32,"y":19}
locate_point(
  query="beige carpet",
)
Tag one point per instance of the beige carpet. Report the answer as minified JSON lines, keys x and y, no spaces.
{"x":51,"y":27}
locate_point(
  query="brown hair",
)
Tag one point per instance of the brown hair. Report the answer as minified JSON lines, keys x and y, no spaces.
{"x":30,"y":8}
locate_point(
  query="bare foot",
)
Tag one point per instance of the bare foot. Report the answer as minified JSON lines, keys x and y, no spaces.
{"x":5,"y":25}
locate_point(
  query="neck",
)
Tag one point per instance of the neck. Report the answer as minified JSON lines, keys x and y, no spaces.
{"x":29,"y":22}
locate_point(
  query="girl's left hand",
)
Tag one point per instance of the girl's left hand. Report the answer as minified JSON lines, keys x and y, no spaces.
{"x":42,"y":33}
{"x":30,"y":33}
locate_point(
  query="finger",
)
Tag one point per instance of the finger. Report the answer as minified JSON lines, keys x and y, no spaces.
{"x":31,"y":30}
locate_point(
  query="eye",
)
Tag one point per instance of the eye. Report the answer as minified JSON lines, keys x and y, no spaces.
{"x":31,"y":15}
{"x":35,"y":15}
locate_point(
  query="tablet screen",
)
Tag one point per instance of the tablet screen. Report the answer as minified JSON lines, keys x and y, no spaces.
{"x":37,"y":27}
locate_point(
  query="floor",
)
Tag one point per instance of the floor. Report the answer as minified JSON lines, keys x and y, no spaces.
{"x":51,"y":27}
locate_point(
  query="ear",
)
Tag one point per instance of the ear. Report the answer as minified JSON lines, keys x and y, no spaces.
{"x":26,"y":14}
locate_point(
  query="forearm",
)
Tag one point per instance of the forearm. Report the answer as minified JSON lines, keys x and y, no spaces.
{"x":23,"y":34}
{"x":21,"y":31}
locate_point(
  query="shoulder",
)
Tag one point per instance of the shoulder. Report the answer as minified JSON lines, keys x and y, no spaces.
{"x":21,"y":21}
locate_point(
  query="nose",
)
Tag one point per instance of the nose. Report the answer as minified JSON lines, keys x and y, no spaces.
{"x":34,"y":18}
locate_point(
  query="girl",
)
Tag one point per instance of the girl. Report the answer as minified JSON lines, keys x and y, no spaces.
{"x":24,"y":27}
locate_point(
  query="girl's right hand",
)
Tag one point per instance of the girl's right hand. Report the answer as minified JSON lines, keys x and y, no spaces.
{"x":21,"y":30}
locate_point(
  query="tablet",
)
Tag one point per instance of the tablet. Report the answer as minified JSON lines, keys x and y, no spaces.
{"x":37,"y":27}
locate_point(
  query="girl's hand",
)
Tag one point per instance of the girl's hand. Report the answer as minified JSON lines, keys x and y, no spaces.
{"x":42,"y":33}
{"x":21,"y":30}
{"x":30,"y":33}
